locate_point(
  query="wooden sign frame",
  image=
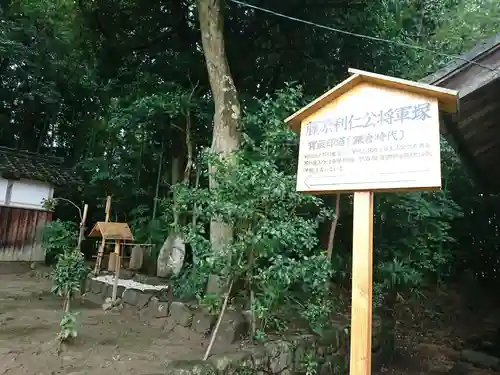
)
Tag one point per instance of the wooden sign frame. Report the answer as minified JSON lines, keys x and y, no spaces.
{"x":348,"y":94}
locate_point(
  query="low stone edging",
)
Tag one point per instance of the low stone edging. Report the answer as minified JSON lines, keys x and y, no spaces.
{"x":324,"y":354}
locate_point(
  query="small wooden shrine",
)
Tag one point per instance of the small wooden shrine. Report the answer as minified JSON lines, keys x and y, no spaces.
{"x":112,"y":231}
{"x":118,"y":233}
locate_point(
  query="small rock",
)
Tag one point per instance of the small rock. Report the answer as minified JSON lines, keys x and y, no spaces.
{"x":109,"y":304}
{"x":202,"y":323}
{"x":106,"y":306}
{"x":164,"y":295}
{"x":143,"y":300}
{"x":171,"y":257}
{"x":119,"y":291}
{"x":95,"y":286}
{"x":136,"y":258}
{"x":224,"y":363}
{"x":161,"y":309}
{"x":106,"y":289}
{"x":233,"y":327}
{"x":130,"y":296}
{"x":191,"y":367}
{"x":33,"y":265}
{"x":181,"y":314}
{"x":155,"y":309}
{"x":281,"y":356}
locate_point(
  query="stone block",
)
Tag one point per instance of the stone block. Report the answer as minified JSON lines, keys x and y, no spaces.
{"x":259,"y":362}
{"x":280,"y":354}
{"x":112,"y":262}
{"x":233,"y":327}
{"x":163,"y":295}
{"x":86,"y":285}
{"x":143,"y":300}
{"x":96,"y":286}
{"x":203,"y":322}
{"x":230,"y":363}
{"x":193,"y":367}
{"x":155,"y":309}
{"x":161,"y":309}
{"x":106,"y":290}
{"x":119,"y":291}
{"x":130,"y":296}
{"x":136,"y":258}
{"x":181,"y":314}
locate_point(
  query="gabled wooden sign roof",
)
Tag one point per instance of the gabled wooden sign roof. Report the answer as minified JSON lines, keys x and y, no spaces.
{"x":448,"y":99}
{"x":112,"y":231}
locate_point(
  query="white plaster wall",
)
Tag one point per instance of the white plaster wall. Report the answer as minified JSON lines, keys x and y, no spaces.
{"x":29,"y":194}
{"x":3,"y":189}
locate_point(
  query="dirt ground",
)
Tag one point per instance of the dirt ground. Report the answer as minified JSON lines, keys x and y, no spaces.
{"x":108,"y":343}
{"x":430,"y":334}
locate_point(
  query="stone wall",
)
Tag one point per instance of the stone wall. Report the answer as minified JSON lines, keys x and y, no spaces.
{"x":325,"y":354}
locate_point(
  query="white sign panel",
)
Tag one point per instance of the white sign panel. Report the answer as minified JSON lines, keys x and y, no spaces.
{"x":371,"y":138}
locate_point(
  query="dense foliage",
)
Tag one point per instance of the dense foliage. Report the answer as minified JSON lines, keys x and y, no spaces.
{"x":120,"y":89}
{"x":57,"y":237}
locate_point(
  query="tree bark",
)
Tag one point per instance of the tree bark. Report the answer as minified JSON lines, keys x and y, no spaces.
{"x":333,"y":228}
{"x":227,"y":111}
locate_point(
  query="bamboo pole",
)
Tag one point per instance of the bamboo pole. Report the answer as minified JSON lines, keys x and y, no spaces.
{"x":117,"y":271}
{"x":100,"y":253}
{"x":81,"y":235}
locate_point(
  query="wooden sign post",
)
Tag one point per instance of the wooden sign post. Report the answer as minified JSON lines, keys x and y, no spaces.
{"x":371,"y":133}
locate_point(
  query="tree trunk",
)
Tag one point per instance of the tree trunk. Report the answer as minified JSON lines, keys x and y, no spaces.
{"x":226,"y":135}
{"x":333,"y":228}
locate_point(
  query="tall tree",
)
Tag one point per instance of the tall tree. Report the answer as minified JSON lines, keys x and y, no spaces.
{"x":227,"y":111}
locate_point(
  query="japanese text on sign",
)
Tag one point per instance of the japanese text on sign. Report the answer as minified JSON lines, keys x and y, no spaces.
{"x":393,"y":116}
{"x":372,"y":149}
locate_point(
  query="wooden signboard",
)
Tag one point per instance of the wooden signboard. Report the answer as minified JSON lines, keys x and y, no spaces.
{"x":370,"y":133}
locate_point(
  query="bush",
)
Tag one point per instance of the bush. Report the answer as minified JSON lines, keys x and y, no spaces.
{"x":273,"y":254}
{"x":57,"y":237}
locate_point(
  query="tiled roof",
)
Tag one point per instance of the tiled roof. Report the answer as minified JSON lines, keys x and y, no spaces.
{"x":32,"y":166}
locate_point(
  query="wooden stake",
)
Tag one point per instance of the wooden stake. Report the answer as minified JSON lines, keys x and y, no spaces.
{"x":219,"y":321}
{"x":100,"y":252}
{"x":117,"y":271}
{"x":362,"y":276}
{"x":81,"y":235}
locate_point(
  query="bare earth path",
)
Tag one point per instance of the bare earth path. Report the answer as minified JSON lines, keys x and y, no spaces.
{"x":108,"y":343}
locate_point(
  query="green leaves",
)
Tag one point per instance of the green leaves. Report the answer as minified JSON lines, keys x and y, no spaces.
{"x":69,"y":273}
{"x":275,"y":244}
{"x":68,"y":277}
{"x":58,"y":237}
{"x":69,"y":326}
